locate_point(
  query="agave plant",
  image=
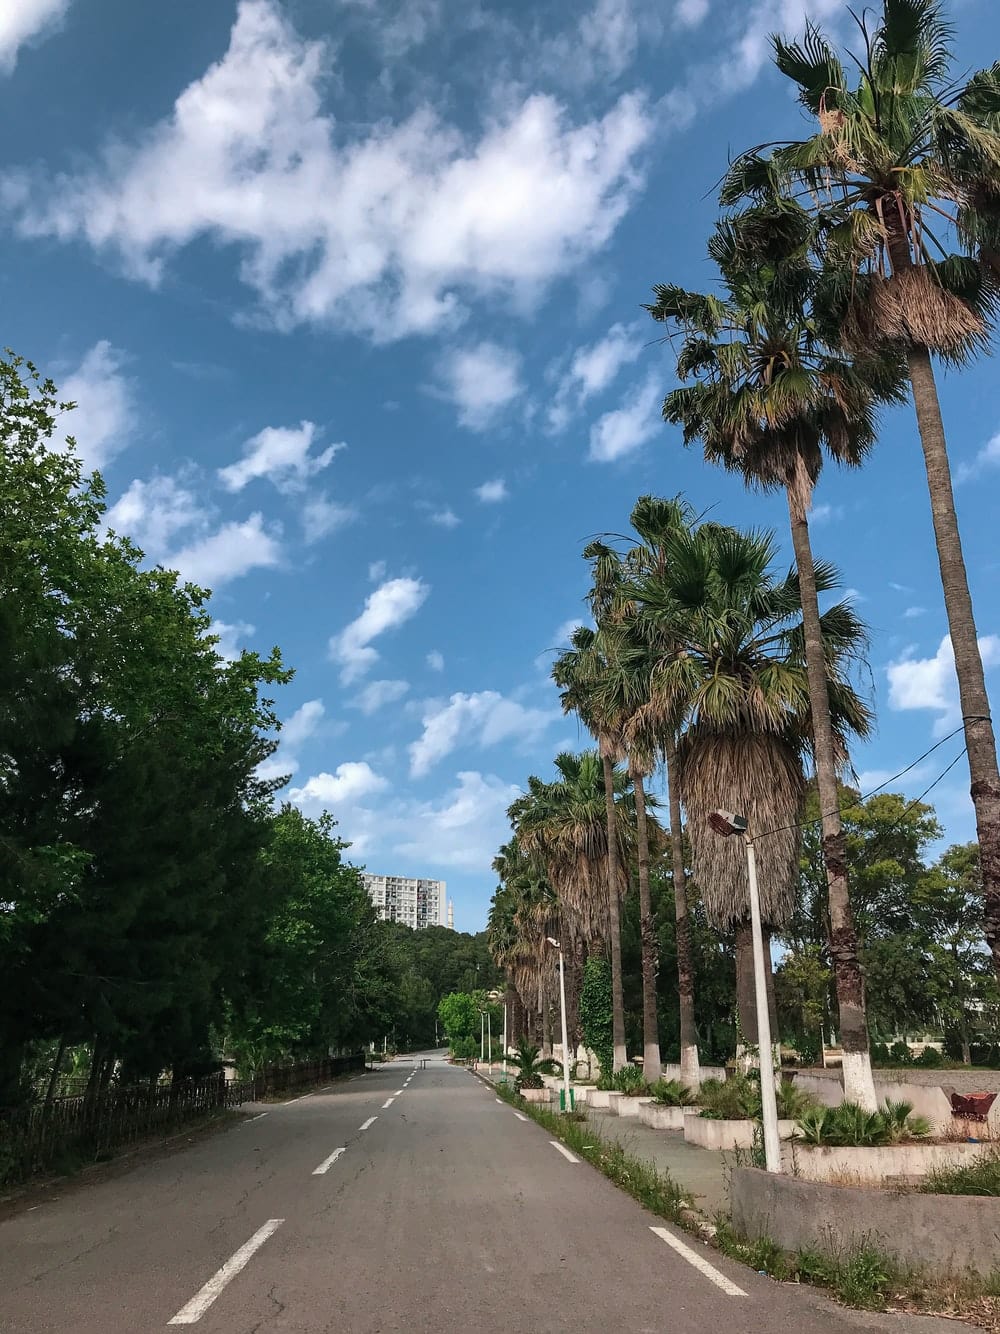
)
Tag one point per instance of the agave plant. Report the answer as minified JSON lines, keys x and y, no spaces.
{"x":671,"y":1093}
{"x":793,"y":1103}
{"x":529,"y":1066}
{"x":852,"y":1126}
{"x":901,"y":1124}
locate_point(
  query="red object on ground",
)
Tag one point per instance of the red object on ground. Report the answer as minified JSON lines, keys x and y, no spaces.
{"x":972,"y":1106}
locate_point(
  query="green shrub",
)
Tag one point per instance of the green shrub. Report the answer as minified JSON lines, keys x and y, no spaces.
{"x":736,"y":1099}
{"x":465,"y":1049}
{"x":671,"y":1093}
{"x":630,"y":1080}
{"x":900,"y":1054}
{"x":528,"y":1065}
{"x":880,"y":1053}
{"x":793,"y":1102}
{"x":851,"y":1126}
{"x":929,"y":1059}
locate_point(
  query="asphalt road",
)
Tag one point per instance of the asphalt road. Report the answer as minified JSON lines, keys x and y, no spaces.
{"x":443,"y":1211}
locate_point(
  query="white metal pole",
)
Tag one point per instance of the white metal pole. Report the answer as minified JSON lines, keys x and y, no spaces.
{"x":768,"y":1101}
{"x":505,"y":1039}
{"x":482,"y":1036}
{"x":489,"y":1039}
{"x":565,"y":1036}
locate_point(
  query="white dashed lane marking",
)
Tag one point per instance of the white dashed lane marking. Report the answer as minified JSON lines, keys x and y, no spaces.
{"x":201,"y":1301}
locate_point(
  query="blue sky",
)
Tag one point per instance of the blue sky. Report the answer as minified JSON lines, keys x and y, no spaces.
{"x":348,"y":293}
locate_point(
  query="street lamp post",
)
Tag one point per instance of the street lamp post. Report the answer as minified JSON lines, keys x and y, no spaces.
{"x":489,"y":1039}
{"x":562,"y":1011}
{"x":482,"y":1035}
{"x":724,"y":822}
{"x":505,"y":1039}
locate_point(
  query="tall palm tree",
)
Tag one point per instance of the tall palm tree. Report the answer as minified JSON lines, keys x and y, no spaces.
{"x":523,"y":914}
{"x":902,"y":154}
{"x":575,"y":672}
{"x":769,"y":399}
{"x":563,"y":825}
{"x":734,"y":685}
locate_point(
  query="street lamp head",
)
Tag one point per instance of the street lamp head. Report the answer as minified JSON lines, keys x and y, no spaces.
{"x":553,"y":942}
{"x":725,"y":822}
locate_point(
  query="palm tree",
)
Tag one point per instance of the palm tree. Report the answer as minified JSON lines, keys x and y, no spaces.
{"x":523,"y":914}
{"x":898,"y":157}
{"x":769,"y":399}
{"x":563,"y":826}
{"x":612,"y":666}
{"x":734,"y":686}
{"x":575,"y":673}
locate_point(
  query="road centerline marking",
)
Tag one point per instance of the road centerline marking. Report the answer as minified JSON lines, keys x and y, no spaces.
{"x":388,"y":1103}
{"x":399,"y":1091}
{"x":699,"y":1262}
{"x":327,"y":1163}
{"x":370,"y":1122}
{"x":202,"y":1300}
{"x":572,"y":1158}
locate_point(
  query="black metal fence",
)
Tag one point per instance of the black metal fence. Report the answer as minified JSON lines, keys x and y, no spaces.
{"x":69,"y":1131}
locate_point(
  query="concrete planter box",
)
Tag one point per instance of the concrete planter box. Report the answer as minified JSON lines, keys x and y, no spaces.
{"x":861,"y":1165}
{"x":664,"y":1118}
{"x":673,"y":1071}
{"x":614,"y":1098}
{"x":536,"y":1095}
{"x":945,"y":1234}
{"x":583,"y":1092}
{"x":631,"y":1106}
{"x":706,"y":1133}
{"x":599,"y":1098}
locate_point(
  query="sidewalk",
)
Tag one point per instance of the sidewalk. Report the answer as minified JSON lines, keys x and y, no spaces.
{"x":700,"y":1172}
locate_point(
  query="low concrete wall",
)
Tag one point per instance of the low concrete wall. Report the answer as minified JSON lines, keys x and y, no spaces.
{"x":966,"y":1080}
{"x":849,"y":1165}
{"x":664,"y":1118}
{"x":598,"y":1098}
{"x":630,"y":1106}
{"x":707,"y":1133}
{"x":614,"y":1098}
{"x":536,"y":1095}
{"x":926,"y":1099}
{"x":707,"y":1071}
{"x":948,"y":1234}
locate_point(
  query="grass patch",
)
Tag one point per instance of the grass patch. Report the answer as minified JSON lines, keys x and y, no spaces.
{"x":979,"y":1178}
{"x":656,"y":1191}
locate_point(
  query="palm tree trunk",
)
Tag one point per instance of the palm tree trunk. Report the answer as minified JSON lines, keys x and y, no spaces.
{"x":617,"y":997}
{"x":979,"y":739}
{"x":859,"y":1084}
{"x":647,"y":933}
{"x":690,"y":1064}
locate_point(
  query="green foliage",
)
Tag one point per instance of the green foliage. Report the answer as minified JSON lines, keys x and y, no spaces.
{"x":852,"y":1126}
{"x":792,"y":1101}
{"x":630,"y":1081}
{"x":979,"y":1178}
{"x":736,"y":1099}
{"x":929,"y":1059}
{"x":672,"y":1093}
{"x":900,"y":1054}
{"x":596,"y":1012}
{"x":464,"y":1049}
{"x":459,"y":1016}
{"x":528,"y":1065}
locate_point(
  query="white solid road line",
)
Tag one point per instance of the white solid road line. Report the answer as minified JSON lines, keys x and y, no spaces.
{"x":370,"y":1122}
{"x":699,"y":1262}
{"x":520,"y":1116}
{"x":388,"y":1102}
{"x":201,"y":1301}
{"x":565,"y":1152}
{"x":258,"y":1117}
{"x":327,"y":1163}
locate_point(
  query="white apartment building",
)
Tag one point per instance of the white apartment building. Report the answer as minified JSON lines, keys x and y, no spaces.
{"x":415,"y":902}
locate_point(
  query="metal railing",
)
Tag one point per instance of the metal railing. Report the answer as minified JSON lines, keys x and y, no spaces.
{"x":67,"y":1132}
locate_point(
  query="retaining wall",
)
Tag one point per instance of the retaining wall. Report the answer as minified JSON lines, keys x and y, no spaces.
{"x":947,"y":1234}
{"x":847,"y":1164}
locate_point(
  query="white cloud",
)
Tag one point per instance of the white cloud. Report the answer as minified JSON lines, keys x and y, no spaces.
{"x":391,"y":604}
{"x":378,"y":694}
{"x":463,"y":828}
{"x":820,"y":514}
{"x":352,"y":780}
{"x":232,"y":637}
{"x":446,"y":518}
{"x":481,"y":381}
{"x":690,"y":13}
{"x":871,"y":779}
{"x":388,"y":231}
{"x":911,"y":613}
{"x":484,"y":718}
{"x":491,"y":493}
{"x":155,"y":512}
{"x":104,"y":408}
{"x":322,"y":516}
{"x":592,"y":370}
{"x":853,"y":595}
{"x":565,"y":631}
{"x":302,"y":724}
{"x":931,"y":683}
{"x":435,"y":660}
{"x":988,"y":457}
{"x":376,"y":571}
{"x":281,"y":454}
{"x":622,"y":431}
{"x":22,"y":20}
{"x":233,"y":550}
